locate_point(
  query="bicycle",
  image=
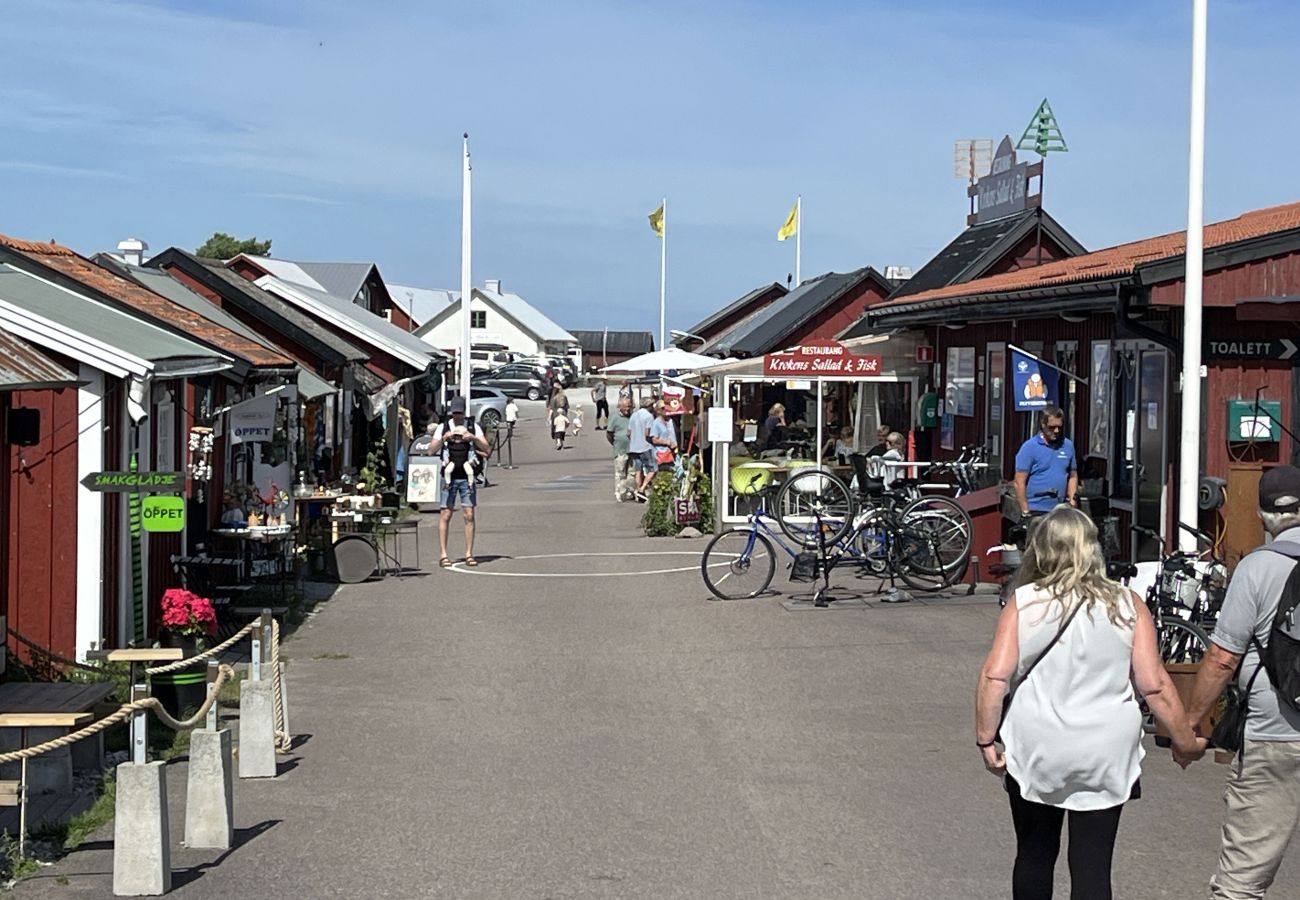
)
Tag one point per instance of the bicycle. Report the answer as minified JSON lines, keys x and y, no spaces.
{"x":814,"y":500}
{"x":740,"y":564}
{"x":1185,"y":597}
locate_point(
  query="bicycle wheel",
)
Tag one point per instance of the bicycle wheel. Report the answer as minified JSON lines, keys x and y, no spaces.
{"x":952,"y":530}
{"x":1180,"y":641}
{"x":917,"y":559}
{"x":873,"y":543}
{"x":814,"y":499}
{"x":738,"y":564}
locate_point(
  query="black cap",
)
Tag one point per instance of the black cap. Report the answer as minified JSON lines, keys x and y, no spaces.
{"x":1279,"y":490}
{"x":457,"y":404}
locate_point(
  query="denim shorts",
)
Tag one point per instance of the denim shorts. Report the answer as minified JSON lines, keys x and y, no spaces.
{"x":459,"y":487}
{"x":644,"y":461}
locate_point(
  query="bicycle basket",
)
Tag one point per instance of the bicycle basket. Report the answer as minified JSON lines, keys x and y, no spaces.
{"x":804,"y":567}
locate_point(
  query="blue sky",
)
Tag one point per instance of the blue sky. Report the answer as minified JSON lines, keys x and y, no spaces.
{"x":334,"y":128}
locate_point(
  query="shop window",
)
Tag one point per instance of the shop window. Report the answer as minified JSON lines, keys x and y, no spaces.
{"x":478,"y":318}
{"x":1124,"y":423}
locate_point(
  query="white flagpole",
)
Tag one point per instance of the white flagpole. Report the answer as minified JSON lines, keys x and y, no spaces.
{"x":465,"y":289}
{"x":798,"y":238}
{"x":1189,"y":447}
{"x":663,"y":273}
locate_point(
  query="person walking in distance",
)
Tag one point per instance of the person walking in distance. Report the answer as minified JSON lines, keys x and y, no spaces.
{"x":461,"y":444}
{"x":639,"y":449}
{"x":598,"y":391}
{"x":1046,"y":472}
{"x":1262,"y":796}
{"x":617,"y":433}
{"x":1066,"y":658}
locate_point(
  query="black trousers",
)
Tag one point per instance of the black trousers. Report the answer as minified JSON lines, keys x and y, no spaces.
{"x":1038,"y":843}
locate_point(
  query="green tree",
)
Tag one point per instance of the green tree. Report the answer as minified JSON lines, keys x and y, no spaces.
{"x":225,"y":246}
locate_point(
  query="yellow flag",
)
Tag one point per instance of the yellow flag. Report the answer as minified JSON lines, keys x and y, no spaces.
{"x":791,"y":226}
{"x":657,"y":220}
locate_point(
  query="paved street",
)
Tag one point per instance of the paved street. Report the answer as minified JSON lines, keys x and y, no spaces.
{"x":594,"y":733}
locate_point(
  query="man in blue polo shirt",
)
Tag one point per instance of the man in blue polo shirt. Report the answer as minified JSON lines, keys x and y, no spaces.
{"x":1046,"y":474}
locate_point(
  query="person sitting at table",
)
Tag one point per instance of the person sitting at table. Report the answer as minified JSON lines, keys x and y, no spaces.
{"x":773,"y":432}
{"x":840,"y":447}
{"x":882,"y":441}
{"x":894,"y":444}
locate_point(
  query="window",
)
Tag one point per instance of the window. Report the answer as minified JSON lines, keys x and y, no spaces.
{"x":478,"y":318}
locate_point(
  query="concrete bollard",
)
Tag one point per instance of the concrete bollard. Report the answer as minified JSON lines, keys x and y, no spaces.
{"x":209,"y":797}
{"x":256,"y":729}
{"x":142,"y":861}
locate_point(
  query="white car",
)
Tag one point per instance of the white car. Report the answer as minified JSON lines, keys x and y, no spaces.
{"x":487,"y":406}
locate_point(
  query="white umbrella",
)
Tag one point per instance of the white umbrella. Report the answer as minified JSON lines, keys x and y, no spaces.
{"x":670,"y":359}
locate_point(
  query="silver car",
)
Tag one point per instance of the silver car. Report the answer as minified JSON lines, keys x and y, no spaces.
{"x":487,"y":406}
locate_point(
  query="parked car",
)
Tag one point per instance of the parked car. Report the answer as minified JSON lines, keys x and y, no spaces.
{"x":515,"y":380}
{"x":487,"y":405}
{"x":561,"y":368}
{"x":486,"y":360}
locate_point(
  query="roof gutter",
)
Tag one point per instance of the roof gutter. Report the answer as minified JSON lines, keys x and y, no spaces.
{"x":1123,"y":295}
{"x":1077,"y":298}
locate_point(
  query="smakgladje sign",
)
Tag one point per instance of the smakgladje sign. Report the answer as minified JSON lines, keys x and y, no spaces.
{"x":135,"y":482}
{"x":827,"y":358}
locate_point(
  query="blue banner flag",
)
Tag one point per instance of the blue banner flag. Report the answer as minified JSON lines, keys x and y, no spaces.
{"x":1033,"y":384}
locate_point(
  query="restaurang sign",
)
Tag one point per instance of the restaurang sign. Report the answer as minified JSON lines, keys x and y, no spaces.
{"x":135,"y":482}
{"x":828,"y":358}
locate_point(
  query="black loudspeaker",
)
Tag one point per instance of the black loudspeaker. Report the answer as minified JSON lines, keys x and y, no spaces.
{"x":24,"y":426}
{"x":1211,"y":493}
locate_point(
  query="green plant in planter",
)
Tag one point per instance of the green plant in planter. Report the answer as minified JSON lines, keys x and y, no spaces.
{"x":374,"y":474}
{"x":659,"y":520}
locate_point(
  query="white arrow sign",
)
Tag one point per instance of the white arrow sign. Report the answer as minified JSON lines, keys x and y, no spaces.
{"x":1288,"y":348}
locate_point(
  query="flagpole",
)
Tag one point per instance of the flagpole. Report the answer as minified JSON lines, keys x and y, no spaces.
{"x":663,"y":273}
{"x":464,"y":277}
{"x":798,"y":238}
{"x":1189,"y":445}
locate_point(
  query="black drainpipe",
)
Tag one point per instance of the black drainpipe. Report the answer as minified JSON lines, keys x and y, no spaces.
{"x":1124,"y":324}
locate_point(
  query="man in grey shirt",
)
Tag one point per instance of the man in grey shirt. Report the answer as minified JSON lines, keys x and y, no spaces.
{"x":617,"y":432}
{"x":639,"y":449}
{"x":1263,"y":792}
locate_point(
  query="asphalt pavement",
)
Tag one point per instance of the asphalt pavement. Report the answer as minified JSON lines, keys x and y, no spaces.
{"x":578,"y":718}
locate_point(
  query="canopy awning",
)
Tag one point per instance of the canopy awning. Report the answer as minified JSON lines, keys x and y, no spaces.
{"x":669,"y":359}
{"x":312,"y":387}
{"x":24,"y":368}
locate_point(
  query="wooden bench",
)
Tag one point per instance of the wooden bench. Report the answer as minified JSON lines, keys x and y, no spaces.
{"x":51,"y":709}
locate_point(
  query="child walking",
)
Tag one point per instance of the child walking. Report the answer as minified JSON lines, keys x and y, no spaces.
{"x":559,"y":425}
{"x":576,"y":424}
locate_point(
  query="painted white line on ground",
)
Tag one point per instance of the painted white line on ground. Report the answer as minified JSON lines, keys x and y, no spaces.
{"x":462,"y":569}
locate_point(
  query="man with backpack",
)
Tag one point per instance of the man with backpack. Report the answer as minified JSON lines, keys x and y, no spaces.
{"x":1256,"y":642}
{"x":461,"y":444}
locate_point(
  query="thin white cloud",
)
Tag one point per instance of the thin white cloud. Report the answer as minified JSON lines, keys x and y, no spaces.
{"x":290,"y":197}
{"x":19,"y":165}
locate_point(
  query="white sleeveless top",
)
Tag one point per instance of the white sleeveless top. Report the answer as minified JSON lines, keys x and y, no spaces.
{"x":1073,"y":735}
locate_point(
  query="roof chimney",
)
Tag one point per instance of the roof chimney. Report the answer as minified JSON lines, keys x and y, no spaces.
{"x":493,"y":285}
{"x":132,"y":250}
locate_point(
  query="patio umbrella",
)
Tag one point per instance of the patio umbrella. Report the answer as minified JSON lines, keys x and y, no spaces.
{"x":670,"y":359}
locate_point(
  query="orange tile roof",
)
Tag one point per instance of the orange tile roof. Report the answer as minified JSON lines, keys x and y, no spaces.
{"x":155,"y":306}
{"x":1116,"y":261}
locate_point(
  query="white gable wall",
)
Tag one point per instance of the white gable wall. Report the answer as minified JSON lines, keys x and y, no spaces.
{"x":499,"y":329}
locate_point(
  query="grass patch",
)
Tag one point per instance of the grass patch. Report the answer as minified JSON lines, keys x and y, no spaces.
{"x":328,"y":654}
{"x":179,"y":746}
{"x":16,"y":866}
{"x":76,"y":830}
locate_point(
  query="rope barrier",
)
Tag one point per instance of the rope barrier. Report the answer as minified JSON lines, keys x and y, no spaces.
{"x":206,"y":654}
{"x":224,"y":674}
{"x":283,"y":741}
{"x":57,"y":657}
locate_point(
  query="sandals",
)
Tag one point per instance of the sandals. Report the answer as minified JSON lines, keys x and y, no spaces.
{"x":444,"y":563}
{"x":471,"y":561}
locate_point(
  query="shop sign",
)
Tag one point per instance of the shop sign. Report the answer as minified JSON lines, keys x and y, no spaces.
{"x":252,"y":420}
{"x":686,"y":511}
{"x":1003,"y":191}
{"x":825,"y":358}
{"x":1029,"y":388}
{"x":674,"y":397}
{"x":1281,"y":348}
{"x":135,"y":482}
{"x":163,"y":514}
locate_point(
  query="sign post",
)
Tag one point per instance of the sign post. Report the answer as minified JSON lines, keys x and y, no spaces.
{"x":135,"y":482}
{"x":163,"y":514}
{"x":1275,"y":349}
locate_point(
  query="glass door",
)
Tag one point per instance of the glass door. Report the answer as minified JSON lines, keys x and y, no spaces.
{"x":1151,"y":451}
{"x":995,"y":406}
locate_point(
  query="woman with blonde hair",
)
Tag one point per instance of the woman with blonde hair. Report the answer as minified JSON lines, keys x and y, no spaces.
{"x":773,"y":427}
{"x":1067,"y":656}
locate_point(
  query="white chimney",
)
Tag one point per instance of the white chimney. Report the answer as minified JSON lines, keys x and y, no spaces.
{"x":132,"y":250}
{"x":493,"y":285}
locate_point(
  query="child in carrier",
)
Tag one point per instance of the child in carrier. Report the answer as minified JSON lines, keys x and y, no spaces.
{"x":559,"y":425}
{"x":576,"y":424}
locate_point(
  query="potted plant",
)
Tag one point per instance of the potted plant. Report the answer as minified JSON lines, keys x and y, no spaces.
{"x":187,"y":621}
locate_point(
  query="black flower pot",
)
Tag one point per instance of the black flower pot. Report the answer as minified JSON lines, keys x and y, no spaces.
{"x":184,"y":690}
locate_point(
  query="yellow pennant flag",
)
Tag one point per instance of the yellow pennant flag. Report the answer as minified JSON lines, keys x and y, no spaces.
{"x":657,"y":220}
{"x":791,"y":226}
